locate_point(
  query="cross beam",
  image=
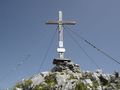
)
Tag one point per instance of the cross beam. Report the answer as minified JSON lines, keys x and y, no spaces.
{"x":60,"y":24}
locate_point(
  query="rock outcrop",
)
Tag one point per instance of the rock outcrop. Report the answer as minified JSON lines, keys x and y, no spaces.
{"x":68,"y":76}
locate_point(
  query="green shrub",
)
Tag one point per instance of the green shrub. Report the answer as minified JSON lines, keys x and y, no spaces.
{"x":80,"y":86}
{"x":26,"y":85}
{"x":51,"y":80}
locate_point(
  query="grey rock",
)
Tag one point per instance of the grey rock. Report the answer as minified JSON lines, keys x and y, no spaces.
{"x":37,"y":79}
{"x":88,"y":82}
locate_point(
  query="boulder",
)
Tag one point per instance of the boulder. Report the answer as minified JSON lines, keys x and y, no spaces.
{"x":36,"y":80}
{"x":88,"y":82}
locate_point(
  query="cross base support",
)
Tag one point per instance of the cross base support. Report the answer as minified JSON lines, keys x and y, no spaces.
{"x":59,"y":61}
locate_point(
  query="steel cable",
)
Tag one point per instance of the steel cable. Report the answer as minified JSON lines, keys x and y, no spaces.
{"x":90,"y":58}
{"x":98,"y":49}
{"x":46,"y":53}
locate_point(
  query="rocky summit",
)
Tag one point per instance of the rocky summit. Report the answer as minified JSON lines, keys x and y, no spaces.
{"x":68,"y":76}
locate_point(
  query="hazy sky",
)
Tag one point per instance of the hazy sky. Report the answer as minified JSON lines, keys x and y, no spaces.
{"x":23,"y":32}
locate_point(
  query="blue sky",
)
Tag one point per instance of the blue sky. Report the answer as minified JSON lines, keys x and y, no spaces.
{"x":23,"y":32}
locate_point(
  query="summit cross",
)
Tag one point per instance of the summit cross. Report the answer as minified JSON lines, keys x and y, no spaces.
{"x":60,"y":23}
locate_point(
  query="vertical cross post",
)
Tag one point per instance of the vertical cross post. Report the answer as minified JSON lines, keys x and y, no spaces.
{"x":60,"y":23}
{"x":61,"y":48}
